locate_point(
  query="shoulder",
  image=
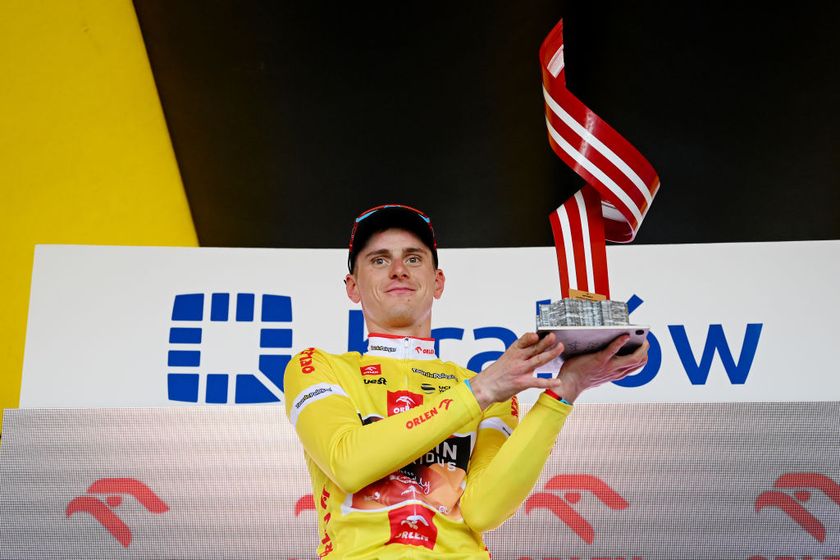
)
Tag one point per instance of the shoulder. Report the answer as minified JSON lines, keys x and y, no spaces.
{"x":312,"y":373}
{"x":321,"y":355}
{"x":316,"y":361}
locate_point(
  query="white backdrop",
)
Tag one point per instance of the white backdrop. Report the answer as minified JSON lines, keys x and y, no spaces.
{"x":100,"y":318}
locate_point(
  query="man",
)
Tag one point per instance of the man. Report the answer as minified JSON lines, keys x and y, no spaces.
{"x":412,"y":457}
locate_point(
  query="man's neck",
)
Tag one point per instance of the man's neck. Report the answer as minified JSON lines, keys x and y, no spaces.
{"x":422,"y":330}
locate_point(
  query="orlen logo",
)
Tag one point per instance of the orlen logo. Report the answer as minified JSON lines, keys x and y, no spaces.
{"x":560,"y":506}
{"x":400,"y":401}
{"x":790,"y":505}
{"x":305,"y":361}
{"x":226,"y":324}
{"x":373,"y":369}
{"x":413,"y":525}
{"x":103,"y":511}
{"x":426,"y":351}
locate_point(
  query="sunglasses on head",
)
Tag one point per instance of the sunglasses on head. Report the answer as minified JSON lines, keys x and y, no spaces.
{"x":371,"y":211}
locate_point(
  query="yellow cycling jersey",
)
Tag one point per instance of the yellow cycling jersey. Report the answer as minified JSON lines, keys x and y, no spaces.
{"x":404,"y":463}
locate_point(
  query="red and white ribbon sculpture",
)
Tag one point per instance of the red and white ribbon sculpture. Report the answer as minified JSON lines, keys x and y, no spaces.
{"x":620,"y":183}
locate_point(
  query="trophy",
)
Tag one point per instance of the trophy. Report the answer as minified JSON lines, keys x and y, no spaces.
{"x":620,"y":186}
{"x":585,"y":324}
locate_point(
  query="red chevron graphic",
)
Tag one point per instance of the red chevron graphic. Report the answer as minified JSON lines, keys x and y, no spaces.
{"x":561,"y":507}
{"x":102,"y":510}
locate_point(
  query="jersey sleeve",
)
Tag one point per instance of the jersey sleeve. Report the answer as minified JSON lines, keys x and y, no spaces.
{"x":350,"y":454}
{"x":508,"y":460}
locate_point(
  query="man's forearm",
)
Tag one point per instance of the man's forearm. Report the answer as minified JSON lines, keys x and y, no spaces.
{"x":354,"y":456}
{"x":498,"y":488}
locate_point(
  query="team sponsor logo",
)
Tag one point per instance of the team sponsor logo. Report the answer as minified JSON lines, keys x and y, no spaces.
{"x":433,"y":375}
{"x":435,"y":478}
{"x":400,"y":401}
{"x":453,"y":453}
{"x":514,"y":407}
{"x":305,"y":359}
{"x":425,"y":417}
{"x":429,"y":414}
{"x":424,"y":351}
{"x":561,"y":506}
{"x":382,"y":348}
{"x":427,"y":388}
{"x":325,"y":540}
{"x":795,"y":489}
{"x":372,"y":369}
{"x":376,"y":381}
{"x":413,"y":525}
{"x":103,"y":511}
{"x":311,"y":394}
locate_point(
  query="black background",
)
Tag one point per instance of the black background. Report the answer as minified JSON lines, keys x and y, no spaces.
{"x":288,"y":119}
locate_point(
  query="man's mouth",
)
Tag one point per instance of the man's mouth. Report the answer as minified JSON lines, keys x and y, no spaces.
{"x":400,"y":290}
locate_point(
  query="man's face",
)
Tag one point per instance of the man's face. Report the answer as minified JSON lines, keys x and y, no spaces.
{"x":396,"y":282}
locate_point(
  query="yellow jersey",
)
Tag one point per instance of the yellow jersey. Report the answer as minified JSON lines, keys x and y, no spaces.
{"x":403,"y":462}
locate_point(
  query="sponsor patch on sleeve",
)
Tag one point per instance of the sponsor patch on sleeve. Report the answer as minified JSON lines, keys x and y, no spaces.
{"x":310,"y":395}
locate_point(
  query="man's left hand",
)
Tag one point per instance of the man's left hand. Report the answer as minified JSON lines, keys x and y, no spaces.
{"x":585,"y":371}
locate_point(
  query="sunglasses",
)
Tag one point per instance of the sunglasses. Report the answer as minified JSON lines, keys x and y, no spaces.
{"x":371,"y":211}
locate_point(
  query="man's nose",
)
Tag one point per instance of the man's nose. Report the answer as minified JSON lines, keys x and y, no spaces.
{"x":398,"y":269}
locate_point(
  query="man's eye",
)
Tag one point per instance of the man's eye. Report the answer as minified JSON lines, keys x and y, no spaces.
{"x":378,"y":260}
{"x":413,"y":259}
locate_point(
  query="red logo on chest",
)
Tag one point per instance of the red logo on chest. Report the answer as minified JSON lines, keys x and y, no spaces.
{"x":400,"y":401}
{"x":413,"y":525}
{"x":373,"y":369}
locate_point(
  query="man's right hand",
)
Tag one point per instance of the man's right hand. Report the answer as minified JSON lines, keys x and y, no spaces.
{"x":514,"y":370}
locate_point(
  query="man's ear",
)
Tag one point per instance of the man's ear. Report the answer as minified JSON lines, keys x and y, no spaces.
{"x":440,"y":280}
{"x":352,"y":288}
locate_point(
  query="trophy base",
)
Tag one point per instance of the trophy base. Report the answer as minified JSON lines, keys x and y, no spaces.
{"x":583,"y":340}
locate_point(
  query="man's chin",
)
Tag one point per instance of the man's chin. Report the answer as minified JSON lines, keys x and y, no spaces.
{"x":401,"y":319}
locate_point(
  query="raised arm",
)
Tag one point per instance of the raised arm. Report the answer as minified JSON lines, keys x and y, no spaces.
{"x":506,"y":463}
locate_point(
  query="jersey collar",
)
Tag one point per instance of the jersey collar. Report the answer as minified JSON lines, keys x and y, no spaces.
{"x":401,"y":347}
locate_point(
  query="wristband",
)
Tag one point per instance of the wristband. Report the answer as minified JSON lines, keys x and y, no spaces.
{"x":469,"y":386}
{"x":557,"y":397}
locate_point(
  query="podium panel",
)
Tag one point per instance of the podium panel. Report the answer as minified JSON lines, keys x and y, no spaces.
{"x":670,"y":481}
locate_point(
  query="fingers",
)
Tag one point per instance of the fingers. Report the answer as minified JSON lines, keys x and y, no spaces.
{"x":641,"y":351}
{"x":527,"y":340}
{"x":614,"y":346}
{"x":545,"y":343}
{"x":540,"y":383}
{"x":625,"y":365}
{"x":636,"y":359}
{"x":531,"y":344}
{"x":545,"y":356}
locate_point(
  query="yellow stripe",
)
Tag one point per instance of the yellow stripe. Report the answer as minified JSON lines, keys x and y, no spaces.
{"x":85,"y":155}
